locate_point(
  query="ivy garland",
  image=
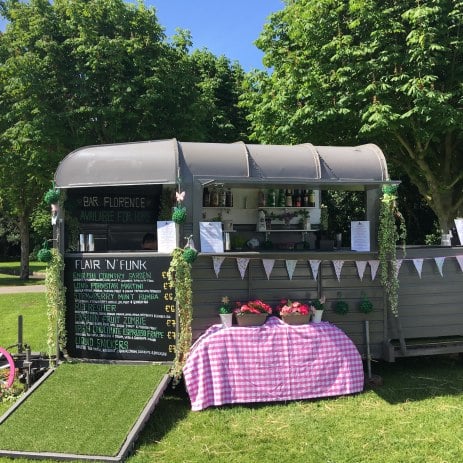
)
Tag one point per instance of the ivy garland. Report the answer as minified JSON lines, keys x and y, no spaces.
{"x":179,"y":276}
{"x":56,"y":302}
{"x":388,"y":237}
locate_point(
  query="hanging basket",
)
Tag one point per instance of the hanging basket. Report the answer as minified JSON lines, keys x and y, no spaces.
{"x":251,"y":319}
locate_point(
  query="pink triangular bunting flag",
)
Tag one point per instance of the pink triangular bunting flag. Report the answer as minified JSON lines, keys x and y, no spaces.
{"x":217,"y":261}
{"x":242,"y":265}
{"x":374,"y":264}
{"x":440,"y":264}
{"x":361,"y":265}
{"x":314,"y":265}
{"x":290,"y":266}
{"x":338,"y":267}
{"x":268,"y":266}
{"x":418,"y":265}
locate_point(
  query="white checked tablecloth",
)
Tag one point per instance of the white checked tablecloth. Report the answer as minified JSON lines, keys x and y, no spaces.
{"x":272,"y":362}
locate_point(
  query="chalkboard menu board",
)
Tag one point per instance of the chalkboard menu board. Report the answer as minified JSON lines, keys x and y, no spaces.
{"x":120,"y":307}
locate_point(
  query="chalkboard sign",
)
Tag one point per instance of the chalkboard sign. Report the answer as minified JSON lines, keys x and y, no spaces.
{"x":120,"y":307}
{"x":115,"y":205}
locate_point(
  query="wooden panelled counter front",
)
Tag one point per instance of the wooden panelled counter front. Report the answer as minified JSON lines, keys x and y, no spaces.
{"x":209,"y":288}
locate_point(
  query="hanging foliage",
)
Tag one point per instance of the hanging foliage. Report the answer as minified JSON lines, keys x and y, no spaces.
{"x":52,"y":196}
{"x":388,"y":236}
{"x":179,"y":276}
{"x":56,"y":303}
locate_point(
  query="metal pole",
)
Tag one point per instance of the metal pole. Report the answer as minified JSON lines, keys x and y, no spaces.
{"x":20,"y":334}
{"x":367,"y":339}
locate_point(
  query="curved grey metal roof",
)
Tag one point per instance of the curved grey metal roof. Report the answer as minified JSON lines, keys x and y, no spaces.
{"x":161,"y":162}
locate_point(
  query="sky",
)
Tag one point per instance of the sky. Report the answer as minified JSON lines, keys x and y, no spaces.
{"x":224,"y":27}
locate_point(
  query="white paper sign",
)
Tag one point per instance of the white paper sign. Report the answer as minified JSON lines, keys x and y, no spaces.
{"x":167,"y":236}
{"x":360,"y":235}
{"x":459,"y":227}
{"x":211,"y":236}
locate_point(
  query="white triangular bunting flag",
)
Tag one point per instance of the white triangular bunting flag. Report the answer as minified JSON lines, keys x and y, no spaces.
{"x":242,"y":265}
{"x":290,"y":266}
{"x":440,"y":263}
{"x":338,"y":267}
{"x":361,"y":265}
{"x":460,"y":261}
{"x":217,"y":261}
{"x":374,"y":264}
{"x":398,"y":264}
{"x":418,"y":265}
{"x":268,"y":266}
{"x":314,"y":265}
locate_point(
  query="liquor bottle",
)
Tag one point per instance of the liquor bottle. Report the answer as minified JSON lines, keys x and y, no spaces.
{"x":222,"y":197}
{"x":272,"y":198}
{"x":298,"y":199}
{"x":311,"y":198}
{"x":215,"y":198}
{"x":289,"y":198}
{"x":261,"y":199}
{"x":229,"y":198}
{"x":305,"y":198}
{"x":206,"y":197}
{"x":281,"y":198}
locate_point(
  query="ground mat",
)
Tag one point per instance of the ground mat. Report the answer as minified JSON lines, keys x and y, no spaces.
{"x":83,"y":409}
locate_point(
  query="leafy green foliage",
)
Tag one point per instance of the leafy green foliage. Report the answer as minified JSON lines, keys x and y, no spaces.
{"x":341,"y":307}
{"x":179,"y":276}
{"x":84,"y":72}
{"x":56,"y":303}
{"x":376,"y":70}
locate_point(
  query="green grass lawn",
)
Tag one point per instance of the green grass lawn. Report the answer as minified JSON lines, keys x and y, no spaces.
{"x":9,"y":272}
{"x":32,"y":306}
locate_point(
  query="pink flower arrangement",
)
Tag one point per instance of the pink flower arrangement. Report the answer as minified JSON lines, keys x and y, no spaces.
{"x":254,"y":307}
{"x":289,"y":307}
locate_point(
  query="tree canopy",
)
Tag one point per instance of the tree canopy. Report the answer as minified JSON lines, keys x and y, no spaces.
{"x":377,"y":70}
{"x":80,"y":72}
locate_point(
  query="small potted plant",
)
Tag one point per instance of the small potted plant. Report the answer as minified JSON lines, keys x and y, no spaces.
{"x":226,"y":312}
{"x":319,"y":306}
{"x":252,"y":313}
{"x":294,"y":312}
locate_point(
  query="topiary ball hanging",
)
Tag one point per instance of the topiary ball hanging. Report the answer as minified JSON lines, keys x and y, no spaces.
{"x":44,"y":255}
{"x":190,"y":255}
{"x":51,"y":196}
{"x":366,"y":306}
{"x":341,"y":307}
{"x":179,"y":214}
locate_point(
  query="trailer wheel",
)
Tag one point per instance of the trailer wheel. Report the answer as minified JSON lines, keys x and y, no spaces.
{"x":7,"y":369}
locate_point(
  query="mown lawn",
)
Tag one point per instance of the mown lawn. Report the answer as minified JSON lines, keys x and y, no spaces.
{"x":9,"y":274}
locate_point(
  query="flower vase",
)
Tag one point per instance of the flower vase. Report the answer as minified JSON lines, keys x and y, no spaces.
{"x":226,"y":319}
{"x":251,"y":319}
{"x":295,"y":319}
{"x":317,"y":317}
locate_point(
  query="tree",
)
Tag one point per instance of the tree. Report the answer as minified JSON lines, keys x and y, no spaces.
{"x":376,"y":70}
{"x":80,"y":72}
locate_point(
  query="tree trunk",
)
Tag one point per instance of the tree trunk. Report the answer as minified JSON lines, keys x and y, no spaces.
{"x":24,"y":235}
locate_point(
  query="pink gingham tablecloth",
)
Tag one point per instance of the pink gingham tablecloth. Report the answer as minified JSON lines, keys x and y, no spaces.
{"x":272,"y":362}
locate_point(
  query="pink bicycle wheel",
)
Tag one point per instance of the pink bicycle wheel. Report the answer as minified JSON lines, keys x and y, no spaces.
{"x":7,"y":369}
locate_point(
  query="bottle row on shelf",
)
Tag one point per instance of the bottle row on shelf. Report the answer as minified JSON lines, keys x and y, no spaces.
{"x":286,"y":198}
{"x":223,"y":197}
